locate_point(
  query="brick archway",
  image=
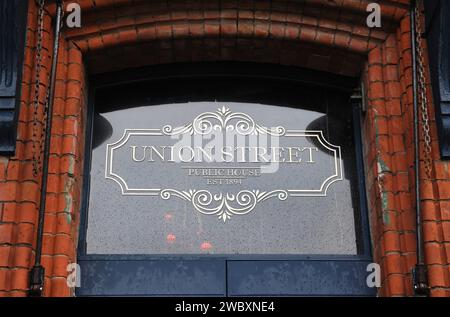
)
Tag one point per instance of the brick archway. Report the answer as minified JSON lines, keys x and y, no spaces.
{"x":318,"y":34}
{"x":323,"y":35}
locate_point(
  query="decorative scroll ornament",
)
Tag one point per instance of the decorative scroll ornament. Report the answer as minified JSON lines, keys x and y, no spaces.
{"x":224,"y":205}
{"x":223,"y":120}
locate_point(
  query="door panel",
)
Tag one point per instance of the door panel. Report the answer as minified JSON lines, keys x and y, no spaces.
{"x":299,"y":278}
{"x":156,"y":278}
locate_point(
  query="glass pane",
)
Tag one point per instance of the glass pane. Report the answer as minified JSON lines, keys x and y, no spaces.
{"x":222,"y":178}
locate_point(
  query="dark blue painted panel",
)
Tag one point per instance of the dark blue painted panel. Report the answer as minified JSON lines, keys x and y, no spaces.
{"x":437,"y":14}
{"x":13,"y":18}
{"x":152,"y":277}
{"x":304,"y":278}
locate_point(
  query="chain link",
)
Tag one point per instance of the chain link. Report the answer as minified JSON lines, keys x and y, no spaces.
{"x":39,"y":132}
{"x":422,"y":89}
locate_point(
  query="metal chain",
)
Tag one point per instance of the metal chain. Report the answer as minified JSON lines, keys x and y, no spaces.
{"x":37,"y":140}
{"x":422,"y":88}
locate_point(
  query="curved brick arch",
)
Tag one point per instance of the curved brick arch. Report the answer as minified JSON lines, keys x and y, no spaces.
{"x":214,"y":49}
{"x":320,"y":34}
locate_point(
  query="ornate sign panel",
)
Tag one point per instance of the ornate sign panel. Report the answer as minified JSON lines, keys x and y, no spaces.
{"x":222,"y":178}
{"x":223,"y":148}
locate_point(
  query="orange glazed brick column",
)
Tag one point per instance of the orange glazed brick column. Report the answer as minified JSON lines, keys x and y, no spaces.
{"x":19,"y":187}
{"x":324,"y":35}
{"x":390,"y":171}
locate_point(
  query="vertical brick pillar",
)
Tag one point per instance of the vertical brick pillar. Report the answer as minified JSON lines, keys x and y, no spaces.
{"x":389,"y":150}
{"x":19,"y":188}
